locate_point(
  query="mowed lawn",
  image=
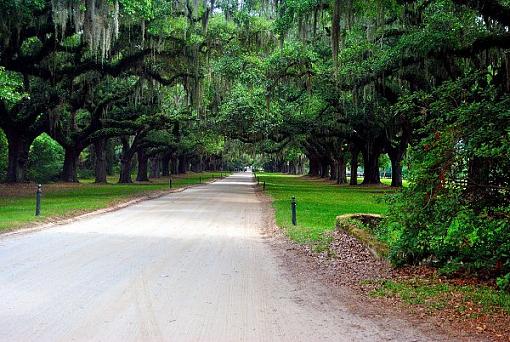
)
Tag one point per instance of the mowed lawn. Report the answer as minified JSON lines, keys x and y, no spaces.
{"x":318,"y":203}
{"x":17,"y":202}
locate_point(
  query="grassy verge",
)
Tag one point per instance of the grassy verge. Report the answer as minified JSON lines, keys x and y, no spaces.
{"x":17,"y":202}
{"x":434,"y":294}
{"x":318,"y":203}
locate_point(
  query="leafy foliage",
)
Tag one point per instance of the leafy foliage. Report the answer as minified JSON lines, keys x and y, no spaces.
{"x":10,"y":87}
{"x":448,"y":213}
{"x":45,"y":160}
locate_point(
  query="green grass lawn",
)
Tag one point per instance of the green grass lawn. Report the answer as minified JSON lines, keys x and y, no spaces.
{"x":318,"y":203}
{"x":17,"y":205}
{"x":438,"y":295}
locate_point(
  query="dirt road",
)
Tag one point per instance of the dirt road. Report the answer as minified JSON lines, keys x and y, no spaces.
{"x":185,"y":267}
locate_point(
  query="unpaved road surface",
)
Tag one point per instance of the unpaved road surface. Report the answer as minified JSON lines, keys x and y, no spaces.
{"x":184,"y":267}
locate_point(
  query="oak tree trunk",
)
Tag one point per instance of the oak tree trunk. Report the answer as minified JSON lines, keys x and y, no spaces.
{"x":174,"y":165}
{"x":333,"y":167}
{"x":141,"y":175}
{"x":125,"y":170}
{"x":125,"y":162}
{"x":110,"y":157}
{"x":155,"y":167}
{"x":165,"y":165}
{"x":341,"y":177}
{"x":183,"y":164}
{"x":396,"y":157}
{"x":354,"y":166}
{"x":70,"y":168}
{"x":371,"y":165}
{"x":18,"y":149}
{"x":324,"y":165}
{"x":314,"y":167}
{"x":101,"y":162}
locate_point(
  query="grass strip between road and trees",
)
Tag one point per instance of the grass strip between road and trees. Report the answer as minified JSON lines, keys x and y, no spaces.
{"x":17,"y":203}
{"x":433,"y":294}
{"x":318,"y":203}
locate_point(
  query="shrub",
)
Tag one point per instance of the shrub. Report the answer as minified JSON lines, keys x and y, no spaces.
{"x":456,"y":212}
{"x":45,"y":160}
{"x":448,"y":234}
{"x":504,"y":282}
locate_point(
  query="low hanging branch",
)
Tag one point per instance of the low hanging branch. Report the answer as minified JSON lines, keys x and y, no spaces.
{"x":279,"y":146}
{"x":166,"y":81}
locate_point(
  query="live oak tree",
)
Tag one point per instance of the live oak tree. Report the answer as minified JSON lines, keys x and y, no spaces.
{"x":72,"y":47}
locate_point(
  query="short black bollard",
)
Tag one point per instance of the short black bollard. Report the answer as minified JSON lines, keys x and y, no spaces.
{"x":293,"y":208}
{"x":264,"y":186}
{"x":38,"y":200}
{"x":221,"y":175}
{"x":170,"y":183}
{"x":200,"y":179}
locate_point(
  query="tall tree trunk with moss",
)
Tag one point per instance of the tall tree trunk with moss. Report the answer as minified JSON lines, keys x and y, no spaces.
{"x":165,"y":165}
{"x":314,"y":167}
{"x":143,"y":166}
{"x":324,"y":168}
{"x":101,"y":161}
{"x":354,"y":164}
{"x":70,"y":168}
{"x":155,"y":170}
{"x":174,"y":165}
{"x":125,"y":170}
{"x":341,"y":177}
{"x":110,"y":157}
{"x":396,"y":156}
{"x":371,"y":152}
{"x":333,"y":167}
{"x":17,"y":161}
{"x":183,"y":164}
{"x":125,"y":161}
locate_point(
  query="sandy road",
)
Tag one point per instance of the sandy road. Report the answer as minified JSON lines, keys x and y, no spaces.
{"x":185,"y":267}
